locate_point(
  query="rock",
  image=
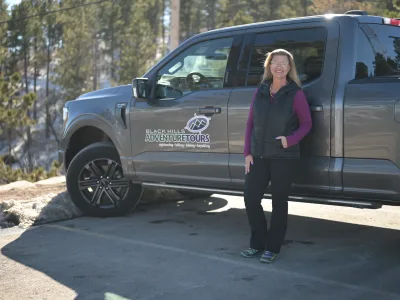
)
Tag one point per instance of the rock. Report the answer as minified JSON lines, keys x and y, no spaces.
{"x":47,"y":209}
{"x":3,"y":220}
{"x":4,"y":205}
{"x":58,"y":209}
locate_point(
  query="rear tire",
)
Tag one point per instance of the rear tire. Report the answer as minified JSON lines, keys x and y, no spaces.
{"x":96,"y":184}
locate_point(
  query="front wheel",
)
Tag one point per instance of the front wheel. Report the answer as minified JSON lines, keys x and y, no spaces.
{"x":96,"y":184}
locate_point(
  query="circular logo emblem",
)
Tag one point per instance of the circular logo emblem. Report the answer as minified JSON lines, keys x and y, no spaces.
{"x":197,"y":124}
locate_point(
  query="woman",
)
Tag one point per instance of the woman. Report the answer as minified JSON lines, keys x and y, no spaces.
{"x":279,"y":118}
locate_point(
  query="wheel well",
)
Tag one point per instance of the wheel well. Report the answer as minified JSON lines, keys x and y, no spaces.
{"x":84,"y":137}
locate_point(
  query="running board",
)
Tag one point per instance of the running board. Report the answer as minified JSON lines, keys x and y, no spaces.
{"x":304,"y":199}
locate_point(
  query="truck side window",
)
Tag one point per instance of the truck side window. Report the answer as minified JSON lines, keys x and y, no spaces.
{"x":378,"y":51}
{"x":199,"y":67}
{"x":306,"y":45}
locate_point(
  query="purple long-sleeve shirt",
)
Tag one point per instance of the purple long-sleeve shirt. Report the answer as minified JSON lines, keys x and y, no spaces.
{"x":300,"y":107}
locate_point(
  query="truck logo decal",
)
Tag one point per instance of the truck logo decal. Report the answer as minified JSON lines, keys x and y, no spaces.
{"x":197,"y":124}
{"x":191,"y":136}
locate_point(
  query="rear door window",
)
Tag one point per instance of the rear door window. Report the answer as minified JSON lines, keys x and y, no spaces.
{"x":306,"y":45}
{"x":378,"y":52}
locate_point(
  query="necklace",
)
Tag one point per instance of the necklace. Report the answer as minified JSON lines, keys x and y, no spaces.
{"x":270,"y":90}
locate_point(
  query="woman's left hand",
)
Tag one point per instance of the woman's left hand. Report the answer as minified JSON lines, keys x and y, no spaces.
{"x":283,"y":141}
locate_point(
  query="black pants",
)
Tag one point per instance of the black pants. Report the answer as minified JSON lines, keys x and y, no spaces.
{"x":280,"y":172}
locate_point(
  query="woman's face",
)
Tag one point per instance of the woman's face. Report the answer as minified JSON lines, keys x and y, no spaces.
{"x":279,"y":66}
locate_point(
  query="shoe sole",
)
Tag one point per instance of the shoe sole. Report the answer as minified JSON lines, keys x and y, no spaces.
{"x":267,"y":261}
{"x":249,"y":256}
{"x":264,"y":261}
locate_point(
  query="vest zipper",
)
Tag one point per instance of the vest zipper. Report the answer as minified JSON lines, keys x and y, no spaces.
{"x":265,"y":121}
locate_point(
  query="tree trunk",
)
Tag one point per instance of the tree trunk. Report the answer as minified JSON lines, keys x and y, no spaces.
{"x":272,"y":8}
{"x":163,"y":27}
{"x":94,"y":63}
{"x":28,"y":132}
{"x":26,"y":71}
{"x":211,"y":14}
{"x":34,"y":80}
{"x":185,"y":30}
{"x":9,"y":140}
{"x":175,"y":19}
{"x":47,"y":91}
{"x":305,"y":6}
{"x":390,"y":5}
{"x":112,"y":44}
{"x":52,"y":128}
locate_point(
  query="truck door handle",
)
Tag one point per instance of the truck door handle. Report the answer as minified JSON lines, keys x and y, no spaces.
{"x":210,"y":110}
{"x":316,"y":107}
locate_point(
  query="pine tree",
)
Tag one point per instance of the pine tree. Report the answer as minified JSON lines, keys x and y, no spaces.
{"x":391,"y":9}
{"x":38,"y":57}
{"x":21,"y":35}
{"x":14,"y":108}
{"x":138,"y":49}
{"x":236,"y":12}
{"x":74,"y":72}
{"x":110,"y":33}
{"x":341,"y":6}
{"x":3,"y":36}
{"x":52,"y":35}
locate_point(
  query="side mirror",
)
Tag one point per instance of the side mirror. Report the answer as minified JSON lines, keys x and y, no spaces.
{"x":140,"y":87}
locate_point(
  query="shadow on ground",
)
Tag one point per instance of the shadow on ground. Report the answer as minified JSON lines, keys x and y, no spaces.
{"x":161,"y":246}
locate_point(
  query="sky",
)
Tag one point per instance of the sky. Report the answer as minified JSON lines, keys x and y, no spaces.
{"x":12,"y":2}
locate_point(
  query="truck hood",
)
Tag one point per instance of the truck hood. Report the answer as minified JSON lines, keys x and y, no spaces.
{"x":104,"y":93}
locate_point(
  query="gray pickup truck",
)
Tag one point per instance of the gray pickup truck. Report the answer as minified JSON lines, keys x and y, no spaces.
{"x":181,"y":125}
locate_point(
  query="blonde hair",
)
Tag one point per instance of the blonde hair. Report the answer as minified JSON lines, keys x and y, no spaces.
{"x":293,"y":71}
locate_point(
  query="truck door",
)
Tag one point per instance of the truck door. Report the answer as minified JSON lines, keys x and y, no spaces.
{"x":179,"y":135}
{"x":314,"y":48}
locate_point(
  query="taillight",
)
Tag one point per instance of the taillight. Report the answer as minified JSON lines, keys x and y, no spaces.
{"x":389,"y":21}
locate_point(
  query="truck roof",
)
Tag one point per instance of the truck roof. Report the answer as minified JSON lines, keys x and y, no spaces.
{"x":360,"y":16}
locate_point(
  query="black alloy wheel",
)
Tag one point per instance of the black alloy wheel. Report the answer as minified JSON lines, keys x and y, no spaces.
{"x":96,"y":183}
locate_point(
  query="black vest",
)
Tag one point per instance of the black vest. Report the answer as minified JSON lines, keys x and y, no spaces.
{"x":271,"y":120}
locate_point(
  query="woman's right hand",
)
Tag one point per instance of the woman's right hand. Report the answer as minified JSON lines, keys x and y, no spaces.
{"x":248,"y":161}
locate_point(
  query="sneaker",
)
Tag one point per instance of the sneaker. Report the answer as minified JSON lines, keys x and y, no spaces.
{"x":268,"y":257}
{"x":250,"y":252}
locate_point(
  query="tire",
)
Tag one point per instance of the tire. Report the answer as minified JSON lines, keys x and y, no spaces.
{"x":195,"y":195}
{"x":91,"y":191}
